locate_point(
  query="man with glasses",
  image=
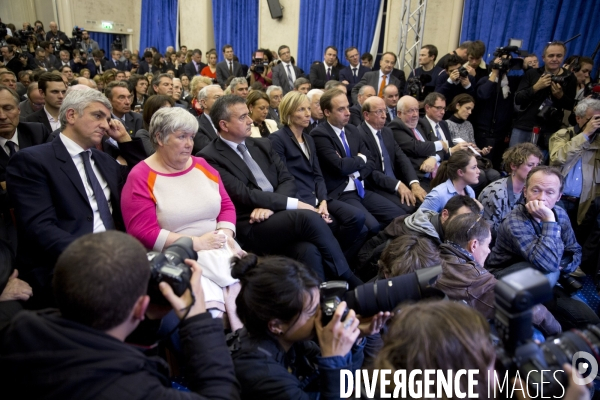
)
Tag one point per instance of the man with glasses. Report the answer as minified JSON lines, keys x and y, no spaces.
{"x":353,"y":73}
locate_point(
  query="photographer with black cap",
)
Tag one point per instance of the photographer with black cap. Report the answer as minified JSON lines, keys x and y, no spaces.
{"x":100,"y":284}
{"x":542,"y":95}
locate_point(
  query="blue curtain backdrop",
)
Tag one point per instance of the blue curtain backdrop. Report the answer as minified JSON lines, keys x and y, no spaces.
{"x":339,"y":23}
{"x":536,"y":22}
{"x":105,"y":41}
{"x":159,"y":24}
{"x":235,"y":23}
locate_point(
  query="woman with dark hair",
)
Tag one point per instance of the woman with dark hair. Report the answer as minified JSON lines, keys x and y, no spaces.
{"x":152,"y":105}
{"x":158,"y":64}
{"x":258,"y":105}
{"x":454,"y":176}
{"x":138,"y":86}
{"x":273,"y":355}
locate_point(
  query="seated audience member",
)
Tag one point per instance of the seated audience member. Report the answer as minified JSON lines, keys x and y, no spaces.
{"x":185,"y":84}
{"x":424,"y":149}
{"x":366,"y":60}
{"x":264,"y":194}
{"x":138,"y":86}
{"x":152,"y":105}
{"x":210,"y":71}
{"x":53,"y":88}
{"x":346,"y":163}
{"x":407,"y":253}
{"x":198,"y":83}
{"x":501,"y":196}
{"x":364,"y":93}
{"x":120,"y":98}
{"x":393,"y":176}
{"x":381,"y":78}
{"x":177,"y":92}
{"x":454,"y":177}
{"x":195,"y":66}
{"x":99,"y":83}
{"x":391,"y":97}
{"x":206,"y":98}
{"x":302,"y":85}
{"x":34,"y":101}
{"x":161,"y":84}
{"x":274,"y":356}
{"x":85,"y":73}
{"x":537,"y":233}
{"x":316,"y":114}
{"x":576,"y":152}
{"x":426,"y":223}
{"x":146,"y":64}
{"x":239,"y":87}
{"x":450,"y":83}
{"x":258,"y":105}
{"x":275,"y":95}
{"x":333,"y":84}
{"x":297,"y":151}
{"x":460,"y":128}
{"x":427,"y":71}
{"x":51,"y":211}
{"x":100,"y":284}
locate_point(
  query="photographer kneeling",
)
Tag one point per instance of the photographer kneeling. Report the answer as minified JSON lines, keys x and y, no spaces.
{"x":273,"y":355}
{"x":100,"y":284}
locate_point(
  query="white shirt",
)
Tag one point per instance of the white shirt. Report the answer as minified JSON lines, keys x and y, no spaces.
{"x":355,"y":175}
{"x":387,"y":80}
{"x":54,"y":123}
{"x":75,"y":152}
{"x":14,"y":139}
{"x":292,"y":203}
{"x":438,"y":144}
{"x":211,"y":123}
{"x":287,"y":71}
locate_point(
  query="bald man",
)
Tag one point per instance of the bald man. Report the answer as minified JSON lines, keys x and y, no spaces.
{"x":423,"y":149}
{"x":54,"y":34}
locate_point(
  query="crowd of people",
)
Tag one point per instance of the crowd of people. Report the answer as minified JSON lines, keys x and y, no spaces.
{"x":280,"y":180}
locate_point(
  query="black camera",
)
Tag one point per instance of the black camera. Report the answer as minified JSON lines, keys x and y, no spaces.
{"x":259,"y":65}
{"x":169,"y":267}
{"x":414,"y":87}
{"x":507,"y":62}
{"x":463,"y":72}
{"x":558,"y":79}
{"x":117,"y":43}
{"x":516,"y":294}
{"x":381,"y":295}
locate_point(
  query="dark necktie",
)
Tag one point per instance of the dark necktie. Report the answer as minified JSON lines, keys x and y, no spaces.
{"x":289,"y":74}
{"x":230,"y":67}
{"x":11,"y":148}
{"x":329,"y":73}
{"x":437,"y":132}
{"x":259,"y":175}
{"x":101,"y":201}
{"x":359,"y":186}
{"x":387,"y":164}
{"x":276,"y":111}
{"x":354,"y":73}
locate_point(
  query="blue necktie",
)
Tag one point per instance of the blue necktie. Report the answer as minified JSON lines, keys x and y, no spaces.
{"x":101,"y":201}
{"x":437,"y":132}
{"x":359,"y":186}
{"x":387,"y":164}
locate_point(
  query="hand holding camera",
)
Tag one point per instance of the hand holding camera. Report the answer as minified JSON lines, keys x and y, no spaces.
{"x":542,"y":83}
{"x":338,"y":336}
{"x":181,"y":303}
{"x":592,"y":125}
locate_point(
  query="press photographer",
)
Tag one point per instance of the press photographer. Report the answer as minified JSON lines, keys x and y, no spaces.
{"x":88,"y":44}
{"x":58,"y":38}
{"x":260,"y":70}
{"x":542,"y":96}
{"x":100,"y":284}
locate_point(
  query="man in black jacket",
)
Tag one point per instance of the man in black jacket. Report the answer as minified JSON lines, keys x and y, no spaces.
{"x":100,"y":283}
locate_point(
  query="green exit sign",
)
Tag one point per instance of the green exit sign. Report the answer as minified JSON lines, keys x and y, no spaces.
{"x":107,"y":25}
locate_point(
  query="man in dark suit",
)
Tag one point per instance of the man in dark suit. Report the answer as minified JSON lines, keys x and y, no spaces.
{"x":146,"y":64}
{"x":393,"y":174}
{"x":33,"y":103}
{"x":54,"y":33}
{"x":195,"y":66}
{"x":65,"y":60}
{"x":285,"y":73}
{"x":275,"y":95}
{"x":320,"y":73}
{"x":390,"y":98}
{"x":423,"y":149}
{"x":206,"y":130}
{"x":380,"y":79}
{"x":353,"y":73}
{"x":120,"y":98}
{"x":356,"y":117}
{"x":115,"y":61}
{"x":66,"y":188}
{"x":53,"y":88}
{"x":12,"y":60}
{"x":346,"y":163}
{"x":228,"y":67}
{"x":270,"y":218}
{"x":316,"y":114}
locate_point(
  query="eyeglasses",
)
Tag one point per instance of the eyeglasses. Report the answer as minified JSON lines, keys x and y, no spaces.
{"x":439,"y":108}
{"x":473,"y":225}
{"x":378,"y":112}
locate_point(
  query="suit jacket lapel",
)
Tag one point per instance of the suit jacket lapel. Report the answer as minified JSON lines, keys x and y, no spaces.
{"x":336,"y":139}
{"x":235,"y":159}
{"x":106,"y":174}
{"x":259,"y":157}
{"x":370,"y":139}
{"x":68,"y":166}
{"x":295,"y":141}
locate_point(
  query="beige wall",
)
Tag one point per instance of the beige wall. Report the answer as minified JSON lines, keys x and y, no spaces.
{"x":17,"y":12}
{"x":272,"y":33}
{"x":442,"y":24}
{"x":196,"y":25}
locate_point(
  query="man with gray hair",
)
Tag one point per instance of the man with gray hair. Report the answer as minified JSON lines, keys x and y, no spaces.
{"x":239,"y":87}
{"x":67,"y":188}
{"x":206,"y":130}
{"x":275,"y":94}
{"x":316,"y":114}
{"x":575,"y":151}
{"x":117,"y":92}
{"x":356,"y":117}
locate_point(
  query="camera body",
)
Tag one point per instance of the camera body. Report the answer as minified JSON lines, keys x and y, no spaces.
{"x":414,"y":87}
{"x":463,"y":72}
{"x":508,"y":62}
{"x":516,"y":294}
{"x":169,"y":267}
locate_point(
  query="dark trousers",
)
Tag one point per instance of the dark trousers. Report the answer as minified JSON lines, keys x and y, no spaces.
{"x":395,"y":198}
{"x":300,"y":234}
{"x":348,"y":226}
{"x":378,"y":210}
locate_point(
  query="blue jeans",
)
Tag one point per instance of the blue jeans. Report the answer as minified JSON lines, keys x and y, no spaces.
{"x":519,"y":136}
